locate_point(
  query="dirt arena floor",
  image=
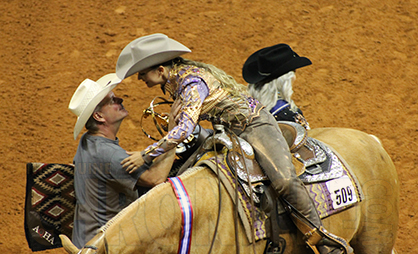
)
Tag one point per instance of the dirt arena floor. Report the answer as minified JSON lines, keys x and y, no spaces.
{"x":363,"y":76}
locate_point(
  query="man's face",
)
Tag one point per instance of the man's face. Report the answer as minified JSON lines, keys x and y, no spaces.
{"x":112,"y":109}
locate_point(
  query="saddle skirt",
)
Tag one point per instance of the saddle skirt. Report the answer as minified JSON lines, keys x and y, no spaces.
{"x":330,"y":182}
{"x":327,"y":177}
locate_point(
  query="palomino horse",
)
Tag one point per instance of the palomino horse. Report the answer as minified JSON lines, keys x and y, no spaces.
{"x":153,"y":224}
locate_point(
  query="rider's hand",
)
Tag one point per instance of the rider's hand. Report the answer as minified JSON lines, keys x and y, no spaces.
{"x":174,"y":114}
{"x":133,"y":162}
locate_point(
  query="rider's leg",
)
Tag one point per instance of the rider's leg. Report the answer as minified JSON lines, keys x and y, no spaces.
{"x":273,"y":155}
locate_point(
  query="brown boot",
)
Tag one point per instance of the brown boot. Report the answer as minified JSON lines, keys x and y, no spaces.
{"x":333,"y":244}
{"x":307,"y":220}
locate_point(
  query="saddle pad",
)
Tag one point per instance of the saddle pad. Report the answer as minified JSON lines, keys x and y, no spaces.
{"x":244,"y":208}
{"x":49,"y":204}
{"x":337,"y":194}
{"x":335,"y":188}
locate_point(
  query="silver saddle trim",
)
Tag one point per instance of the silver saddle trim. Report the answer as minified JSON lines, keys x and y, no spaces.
{"x":221,"y":137}
{"x":335,"y":168}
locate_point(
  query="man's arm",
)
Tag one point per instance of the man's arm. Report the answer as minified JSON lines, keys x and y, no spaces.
{"x":158,"y":171}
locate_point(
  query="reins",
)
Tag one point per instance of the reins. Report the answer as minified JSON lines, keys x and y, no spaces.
{"x":220,"y":198}
{"x":161,"y":123}
{"x":241,"y":155}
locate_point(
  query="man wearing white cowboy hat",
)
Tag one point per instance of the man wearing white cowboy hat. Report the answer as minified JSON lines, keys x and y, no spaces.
{"x":102,"y":187}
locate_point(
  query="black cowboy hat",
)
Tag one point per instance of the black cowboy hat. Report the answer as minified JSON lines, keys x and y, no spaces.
{"x":272,"y":62}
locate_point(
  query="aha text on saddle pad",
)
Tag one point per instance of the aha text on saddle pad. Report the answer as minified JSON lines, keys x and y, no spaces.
{"x":49,"y":204}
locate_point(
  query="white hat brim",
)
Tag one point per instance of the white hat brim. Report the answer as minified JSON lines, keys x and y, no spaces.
{"x":82,"y":119}
{"x":127,"y":66}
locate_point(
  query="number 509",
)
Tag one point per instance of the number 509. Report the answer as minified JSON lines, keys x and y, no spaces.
{"x":343,"y":195}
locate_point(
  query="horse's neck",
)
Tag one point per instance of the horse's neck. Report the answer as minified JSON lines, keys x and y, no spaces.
{"x":152,"y":224}
{"x":149,"y":225}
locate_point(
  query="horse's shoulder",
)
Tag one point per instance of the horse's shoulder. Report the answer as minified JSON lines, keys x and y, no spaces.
{"x":342,"y":135}
{"x":336,"y":130}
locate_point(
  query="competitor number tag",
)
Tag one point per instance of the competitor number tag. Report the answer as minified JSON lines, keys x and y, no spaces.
{"x":342,"y":192}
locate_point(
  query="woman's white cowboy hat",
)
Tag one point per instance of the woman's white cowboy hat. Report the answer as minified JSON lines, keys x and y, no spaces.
{"x":88,"y":95}
{"x":146,"y":52}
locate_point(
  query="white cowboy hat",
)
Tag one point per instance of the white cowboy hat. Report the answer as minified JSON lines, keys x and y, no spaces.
{"x":147,"y":51}
{"x":88,"y":95}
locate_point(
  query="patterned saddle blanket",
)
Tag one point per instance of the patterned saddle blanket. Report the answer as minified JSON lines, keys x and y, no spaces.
{"x":329,"y":180}
{"x":49,"y":204}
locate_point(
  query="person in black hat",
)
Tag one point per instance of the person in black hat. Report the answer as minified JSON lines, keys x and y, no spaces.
{"x":270,"y":73}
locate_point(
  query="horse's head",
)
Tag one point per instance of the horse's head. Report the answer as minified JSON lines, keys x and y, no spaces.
{"x":94,"y":246}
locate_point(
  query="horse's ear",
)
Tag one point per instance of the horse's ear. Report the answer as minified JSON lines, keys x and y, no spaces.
{"x":68,"y":245}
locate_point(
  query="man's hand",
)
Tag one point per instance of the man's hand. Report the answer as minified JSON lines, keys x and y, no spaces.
{"x":133,"y":162}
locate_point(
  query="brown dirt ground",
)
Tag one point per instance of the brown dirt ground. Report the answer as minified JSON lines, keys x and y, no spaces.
{"x":364,"y":67}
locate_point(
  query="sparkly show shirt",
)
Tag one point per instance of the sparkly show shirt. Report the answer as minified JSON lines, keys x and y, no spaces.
{"x":202,"y":98}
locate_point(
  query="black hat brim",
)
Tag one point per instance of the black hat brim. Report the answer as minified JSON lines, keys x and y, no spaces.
{"x":251,"y":74}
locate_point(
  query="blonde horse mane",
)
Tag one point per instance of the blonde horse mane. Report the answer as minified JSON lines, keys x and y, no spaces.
{"x":279,"y":88}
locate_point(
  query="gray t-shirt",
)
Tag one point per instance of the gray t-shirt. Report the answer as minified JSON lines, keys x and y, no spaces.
{"x":102,"y":187}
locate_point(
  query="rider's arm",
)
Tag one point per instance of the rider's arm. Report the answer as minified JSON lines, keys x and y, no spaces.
{"x":192,"y":99}
{"x":158,"y":171}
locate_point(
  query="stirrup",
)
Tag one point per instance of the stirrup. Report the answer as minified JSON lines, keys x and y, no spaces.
{"x":313,"y":235}
{"x":321,"y":236}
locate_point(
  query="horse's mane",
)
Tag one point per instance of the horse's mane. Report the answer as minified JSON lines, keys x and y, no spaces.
{"x":155,"y":191}
{"x":279,"y":88}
